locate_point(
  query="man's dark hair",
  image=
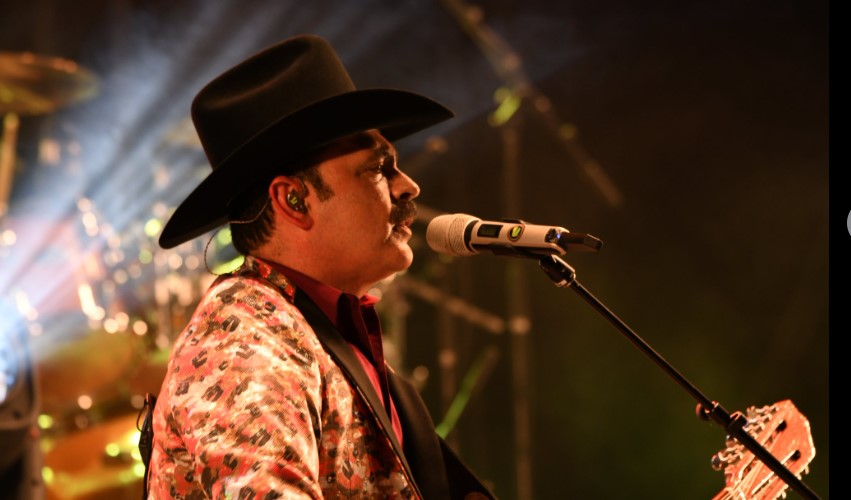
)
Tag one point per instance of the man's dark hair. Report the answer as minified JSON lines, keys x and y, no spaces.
{"x":251,"y":212}
{"x":251,"y":216}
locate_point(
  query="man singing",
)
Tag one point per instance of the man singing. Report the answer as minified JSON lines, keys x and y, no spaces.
{"x":278,"y":387}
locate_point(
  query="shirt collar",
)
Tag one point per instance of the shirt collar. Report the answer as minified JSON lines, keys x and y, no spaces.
{"x":324,"y":296}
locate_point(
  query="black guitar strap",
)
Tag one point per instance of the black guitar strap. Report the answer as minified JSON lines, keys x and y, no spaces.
{"x":146,"y":438}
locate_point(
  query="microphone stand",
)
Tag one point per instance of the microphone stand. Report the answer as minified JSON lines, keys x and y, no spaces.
{"x":563,"y":275}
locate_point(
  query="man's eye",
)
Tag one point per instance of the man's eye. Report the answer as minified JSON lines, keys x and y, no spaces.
{"x":377,"y":171}
{"x":383,"y":168}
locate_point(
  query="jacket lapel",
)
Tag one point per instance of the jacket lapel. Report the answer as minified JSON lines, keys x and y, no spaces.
{"x":438,"y":470}
{"x":421,"y":443}
{"x":342,"y":353}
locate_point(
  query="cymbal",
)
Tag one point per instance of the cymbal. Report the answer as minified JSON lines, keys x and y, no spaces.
{"x":92,"y":365}
{"x":32,"y":84}
{"x":98,"y":463}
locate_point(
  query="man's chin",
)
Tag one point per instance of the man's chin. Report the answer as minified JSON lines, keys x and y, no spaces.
{"x":406,"y":258}
{"x":402,"y":261}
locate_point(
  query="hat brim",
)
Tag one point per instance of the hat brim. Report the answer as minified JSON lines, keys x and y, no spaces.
{"x":395,"y":113}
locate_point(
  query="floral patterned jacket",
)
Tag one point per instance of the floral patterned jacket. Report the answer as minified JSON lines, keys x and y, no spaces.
{"x":264,"y":399}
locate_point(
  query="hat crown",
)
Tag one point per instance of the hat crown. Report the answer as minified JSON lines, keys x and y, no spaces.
{"x":254,"y":95}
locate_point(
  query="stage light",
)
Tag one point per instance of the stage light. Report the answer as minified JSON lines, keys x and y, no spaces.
{"x":19,"y":452}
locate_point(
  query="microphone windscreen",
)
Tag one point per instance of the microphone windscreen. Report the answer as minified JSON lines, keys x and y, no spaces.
{"x":445,"y":234}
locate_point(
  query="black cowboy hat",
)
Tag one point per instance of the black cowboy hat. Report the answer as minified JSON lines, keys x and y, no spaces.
{"x":274,"y":107}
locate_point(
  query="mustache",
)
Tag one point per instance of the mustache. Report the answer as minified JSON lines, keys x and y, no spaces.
{"x":402,"y":211}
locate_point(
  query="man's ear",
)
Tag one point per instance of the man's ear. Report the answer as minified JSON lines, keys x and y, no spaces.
{"x":288,"y":196}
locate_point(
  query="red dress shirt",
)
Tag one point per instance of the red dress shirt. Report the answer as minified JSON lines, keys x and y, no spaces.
{"x":356,"y":320}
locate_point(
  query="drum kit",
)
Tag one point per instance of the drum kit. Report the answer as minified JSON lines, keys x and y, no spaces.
{"x":90,"y":385}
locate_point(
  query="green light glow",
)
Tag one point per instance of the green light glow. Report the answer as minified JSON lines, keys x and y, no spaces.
{"x":226,"y":267}
{"x":45,"y":421}
{"x":153,"y":227}
{"x":509,"y":103}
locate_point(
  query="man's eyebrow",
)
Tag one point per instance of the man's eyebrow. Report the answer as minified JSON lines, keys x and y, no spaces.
{"x":380,"y":154}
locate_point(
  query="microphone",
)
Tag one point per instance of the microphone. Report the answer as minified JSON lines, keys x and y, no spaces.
{"x":463,"y":234}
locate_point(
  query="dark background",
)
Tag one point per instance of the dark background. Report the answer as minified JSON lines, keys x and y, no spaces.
{"x":709,"y":118}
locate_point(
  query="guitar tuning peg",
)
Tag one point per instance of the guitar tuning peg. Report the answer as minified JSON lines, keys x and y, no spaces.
{"x":760,"y":415}
{"x":735,"y":447}
{"x":718,"y":463}
{"x":757,"y":426}
{"x":727,"y":457}
{"x":762,"y":412}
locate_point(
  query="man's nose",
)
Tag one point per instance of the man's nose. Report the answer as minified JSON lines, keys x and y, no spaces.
{"x":404,"y":188}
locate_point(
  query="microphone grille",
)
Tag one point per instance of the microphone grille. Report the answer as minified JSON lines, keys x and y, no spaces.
{"x":445,"y":234}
